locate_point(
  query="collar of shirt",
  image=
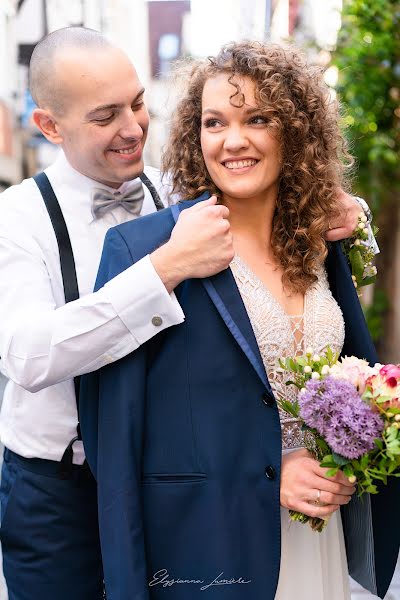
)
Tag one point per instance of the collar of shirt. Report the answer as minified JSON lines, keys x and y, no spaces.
{"x":80,"y":187}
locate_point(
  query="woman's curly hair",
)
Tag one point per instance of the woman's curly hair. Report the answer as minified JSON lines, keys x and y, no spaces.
{"x":296,"y":101}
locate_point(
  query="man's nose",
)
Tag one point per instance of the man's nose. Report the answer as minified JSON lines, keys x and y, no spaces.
{"x":235,"y":139}
{"x":130,"y":126}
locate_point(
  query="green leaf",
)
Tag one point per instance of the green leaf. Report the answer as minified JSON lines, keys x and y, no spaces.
{"x":340,"y":460}
{"x":331,"y":472}
{"x":356,"y":262}
{"x":367,"y":280}
{"x":348,"y":470}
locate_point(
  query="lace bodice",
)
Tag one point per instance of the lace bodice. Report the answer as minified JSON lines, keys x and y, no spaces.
{"x":279,"y":335}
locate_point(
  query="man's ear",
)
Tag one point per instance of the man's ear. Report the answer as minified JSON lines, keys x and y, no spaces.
{"x":47,"y":124}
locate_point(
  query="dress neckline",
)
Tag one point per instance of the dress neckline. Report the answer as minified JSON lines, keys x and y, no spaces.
{"x":243,"y":264}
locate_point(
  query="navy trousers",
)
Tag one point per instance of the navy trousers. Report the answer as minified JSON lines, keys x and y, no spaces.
{"x":49,"y":531}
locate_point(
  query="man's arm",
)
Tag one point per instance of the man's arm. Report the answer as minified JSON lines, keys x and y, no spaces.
{"x":344,"y":226}
{"x":41,"y":345}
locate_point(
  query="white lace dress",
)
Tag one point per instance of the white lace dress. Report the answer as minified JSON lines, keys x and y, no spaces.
{"x":313,"y":565}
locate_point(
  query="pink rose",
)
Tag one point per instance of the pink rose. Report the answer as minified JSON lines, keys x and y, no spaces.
{"x":387,"y":383}
{"x":391,"y":374}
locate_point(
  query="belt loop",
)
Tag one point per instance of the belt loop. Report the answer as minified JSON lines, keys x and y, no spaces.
{"x":66,"y":460}
{"x":6,"y":455}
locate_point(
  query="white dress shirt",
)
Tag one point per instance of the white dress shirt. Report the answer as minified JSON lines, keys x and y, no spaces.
{"x":44,"y":342}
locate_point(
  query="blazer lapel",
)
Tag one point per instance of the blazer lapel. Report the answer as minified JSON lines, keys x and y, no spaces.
{"x":225,"y":295}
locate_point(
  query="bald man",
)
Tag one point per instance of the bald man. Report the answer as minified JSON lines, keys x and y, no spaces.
{"x":90,"y":103}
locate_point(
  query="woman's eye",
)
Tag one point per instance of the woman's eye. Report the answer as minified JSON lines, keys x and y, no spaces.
{"x":258,"y":120}
{"x":210,"y":123}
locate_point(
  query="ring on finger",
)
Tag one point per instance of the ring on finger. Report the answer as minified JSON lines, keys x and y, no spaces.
{"x":317,"y":501}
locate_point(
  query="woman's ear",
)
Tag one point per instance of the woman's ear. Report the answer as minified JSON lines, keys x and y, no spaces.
{"x":47,"y":124}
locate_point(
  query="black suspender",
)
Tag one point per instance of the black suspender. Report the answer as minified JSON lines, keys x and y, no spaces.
{"x":154,"y":194}
{"x":67,"y":261}
{"x":68,"y":270}
{"x":70,"y":282}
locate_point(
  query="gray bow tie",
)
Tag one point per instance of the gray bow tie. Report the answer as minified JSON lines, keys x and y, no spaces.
{"x":104,"y":200}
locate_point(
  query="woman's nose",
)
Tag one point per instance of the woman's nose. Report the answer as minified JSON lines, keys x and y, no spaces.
{"x":235,"y":139}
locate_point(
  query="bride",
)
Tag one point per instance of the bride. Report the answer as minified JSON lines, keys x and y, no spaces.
{"x":271,"y":146}
{"x":196,"y":467}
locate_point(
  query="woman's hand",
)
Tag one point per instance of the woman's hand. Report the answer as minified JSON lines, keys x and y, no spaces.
{"x":306,"y":488}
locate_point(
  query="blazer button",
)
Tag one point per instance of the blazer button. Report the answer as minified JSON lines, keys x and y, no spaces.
{"x":268,"y":399}
{"x":157,"y":321}
{"x":270,"y":472}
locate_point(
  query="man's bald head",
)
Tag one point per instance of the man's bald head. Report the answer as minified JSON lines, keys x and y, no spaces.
{"x":90,"y":102}
{"x":45,"y":79}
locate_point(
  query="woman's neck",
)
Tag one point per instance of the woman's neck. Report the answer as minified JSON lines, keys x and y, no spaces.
{"x":251,"y":222}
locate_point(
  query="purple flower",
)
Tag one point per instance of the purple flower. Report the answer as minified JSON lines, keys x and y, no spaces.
{"x":336,"y":410}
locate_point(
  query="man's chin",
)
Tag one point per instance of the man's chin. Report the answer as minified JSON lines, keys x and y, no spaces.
{"x":116,"y":179}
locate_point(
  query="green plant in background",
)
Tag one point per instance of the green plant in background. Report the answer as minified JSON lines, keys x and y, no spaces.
{"x":368,"y":59}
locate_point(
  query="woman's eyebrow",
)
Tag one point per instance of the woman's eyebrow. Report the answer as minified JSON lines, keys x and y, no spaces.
{"x":218,"y":113}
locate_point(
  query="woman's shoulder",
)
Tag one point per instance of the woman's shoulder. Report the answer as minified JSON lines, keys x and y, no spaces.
{"x":147,"y":233}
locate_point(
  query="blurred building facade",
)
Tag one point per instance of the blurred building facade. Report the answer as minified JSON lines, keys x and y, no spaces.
{"x":152,"y":32}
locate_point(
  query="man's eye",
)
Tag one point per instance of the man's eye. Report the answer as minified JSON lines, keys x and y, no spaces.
{"x":104,"y":119}
{"x":210,"y":123}
{"x":138,"y":105}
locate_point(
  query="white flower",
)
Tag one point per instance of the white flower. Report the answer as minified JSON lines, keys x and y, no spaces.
{"x":366,"y":231}
{"x":316,"y":358}
{"x":353,"y":277}
{"x":309,"y":351}
{"x":315,"y":375}
{"x":361,"y":226}
{"x":353,"y":369}
{"x":307,"y":369}
{"x":352,"y":479}
{"x":361,"y":215}
{"x":374,"y":270}
{"x":355,"y":284}
{"x":325,"y":370}
{"x":397,"y":417}
{"x":357,"y":242}
{"x":364,"y":218}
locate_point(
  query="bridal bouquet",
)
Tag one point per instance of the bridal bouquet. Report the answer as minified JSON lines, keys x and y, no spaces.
{"x":350,"y":414}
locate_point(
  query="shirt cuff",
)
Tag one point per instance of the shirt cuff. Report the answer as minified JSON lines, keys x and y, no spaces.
{"x":142,"y":302}
{"x":367,"y":211}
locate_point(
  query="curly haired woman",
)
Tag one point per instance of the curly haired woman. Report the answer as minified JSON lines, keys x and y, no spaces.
{"x":195,"y":488}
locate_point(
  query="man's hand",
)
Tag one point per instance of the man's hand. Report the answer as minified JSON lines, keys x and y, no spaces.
{"x":306,"y":488}
{"x":200,"y":245}
{"x":347,"y":221}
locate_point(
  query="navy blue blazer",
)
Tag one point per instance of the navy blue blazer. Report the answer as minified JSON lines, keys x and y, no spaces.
{"x":184,"y":438}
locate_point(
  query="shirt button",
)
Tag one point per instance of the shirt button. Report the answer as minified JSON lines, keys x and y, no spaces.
{"x":270,"y":472}
{"x":268,"y":399}
{"x":157,"y":321}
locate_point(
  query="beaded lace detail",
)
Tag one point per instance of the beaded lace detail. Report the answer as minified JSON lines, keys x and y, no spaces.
{"x":280,"y":335}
